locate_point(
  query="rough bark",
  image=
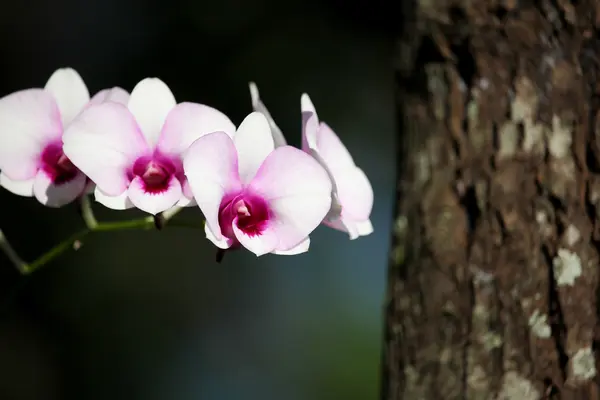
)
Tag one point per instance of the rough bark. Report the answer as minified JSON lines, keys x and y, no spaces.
{"x":492,"y":290}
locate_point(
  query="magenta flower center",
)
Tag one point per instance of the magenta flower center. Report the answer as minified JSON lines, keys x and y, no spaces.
{"x":156,"y":172}
{"x":57,"y":165}
{"x":250,"y":214}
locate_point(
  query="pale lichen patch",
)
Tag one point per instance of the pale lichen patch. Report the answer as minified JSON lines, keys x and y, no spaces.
{"x":533,"y":138}
{"x":422,"y":167}
{"x":583,"y":364}
{"x":477,"y":379}
{"x":525,"y":103}
{"x":567,"y":267}
{"x":541,"y":217}
{"x":572,"y":235}
{"x":560,"y":138}
{"x":538,"y":323}
{"x":401,"y":225}
{"x":480,"y":277}
{"x":516,"y":387}
{"x":491,"y":341}
{"x":508,"y":136}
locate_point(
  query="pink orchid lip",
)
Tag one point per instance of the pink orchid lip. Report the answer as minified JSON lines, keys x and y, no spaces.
{"x":57,"y":165}
{"x":156,"y":172}
{"x":249,"y":212}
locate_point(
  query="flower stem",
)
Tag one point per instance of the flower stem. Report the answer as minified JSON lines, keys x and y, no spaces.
{"x":140,"y":223}
{"x":85,"y":206}
{"x":92,"y":225}
{"x":55,"y":251}
{"x":12,"y":254}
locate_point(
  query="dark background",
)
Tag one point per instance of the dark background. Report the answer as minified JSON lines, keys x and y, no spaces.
{"x":150,"y":315}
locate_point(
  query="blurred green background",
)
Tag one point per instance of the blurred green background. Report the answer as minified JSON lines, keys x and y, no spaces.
{"x":150,"y":315}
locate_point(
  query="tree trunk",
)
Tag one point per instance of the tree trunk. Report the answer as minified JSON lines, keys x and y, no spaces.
{"x":494,"y":268}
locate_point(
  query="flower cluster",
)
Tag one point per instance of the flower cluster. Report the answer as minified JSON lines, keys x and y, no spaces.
{"x":147,"y":151}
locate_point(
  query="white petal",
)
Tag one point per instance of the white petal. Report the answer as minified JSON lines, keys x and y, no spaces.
{"x":302,"y":247}
{"x":53,"y":195}
{"x":343,"y":225}
{"x":354,"y":193}
{"x":223,"y":243}
{"x":254,"y":142}
{"x":150,"y":102}
{"x":298,"y":192}
{"x":120,"y":202}
{"x":153,"y":203}
{"x":70,"y":92}
{"x":364,"y":228}
{"x":115,"y":94}
{"x":306,"y":105}
{"x":210,"y":167}
{"x":104,"y":142}
{"x":261,"y":244}
{"x":29,"y":120}
{"x":188,"y":122}
{"x":22,"y":188}
{"x":258,"y":105}
{"x":332,"y":150}
{"x":186,"y":202}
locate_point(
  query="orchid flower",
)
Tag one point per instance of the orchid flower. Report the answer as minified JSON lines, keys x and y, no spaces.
{"x":267,"y":200}
{"x":352,"y":196}
{"x":32,"y":123}
{"x":133,"y":153}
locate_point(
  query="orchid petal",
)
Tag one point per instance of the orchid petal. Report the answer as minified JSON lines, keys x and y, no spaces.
{"x":254,"y":143}
{"x":150,"y":102}
{"x":223,"y":243}
{"x":354,"y":193}
{"x":310,"y":128}
{"x":115,"y":94}
{"x":354,"y":229}
{"x":189,"y":121}
{"x":120,"y":202}
{"x":261,"y":244}
{"x":258,"y":105}
{"x":306,"y":105}
{"x":57,"y":195}
{"x":185,"y":201}
{"x":364,"y":228}
{"x":104,"y":142}
{"x":70,"y":92}
{"x":150,"y":202}
{"x":298,"y":192}
{"x":343,"y":225}
{"x":21,"y":188}
{"x":211,"y":168}
{"x":29,"y":120}
{"x":332,"y":150}
{"x":300,"y":248}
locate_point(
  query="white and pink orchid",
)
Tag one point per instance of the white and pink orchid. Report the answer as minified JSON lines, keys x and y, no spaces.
{"x":352,"y":196}
{"x":32,"y":123}
{"x":134,"y":153}
{"x":145,"y":150}
{"x":267,"y":200}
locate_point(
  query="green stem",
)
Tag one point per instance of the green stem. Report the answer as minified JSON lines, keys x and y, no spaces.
{"x":92,"y":225}
{"x":55,"y":251}
{"x":141,"y":223}
{"x":12,"y":254}
{"x":87,"y":213}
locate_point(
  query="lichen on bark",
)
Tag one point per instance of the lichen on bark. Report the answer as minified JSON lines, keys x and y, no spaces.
{"x":494,"y":294}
